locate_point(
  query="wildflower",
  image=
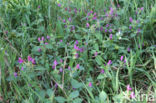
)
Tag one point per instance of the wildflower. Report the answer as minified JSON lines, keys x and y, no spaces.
{"x":90,"y":84}
{"x":132,"y":95}
{"x":69,"y":19}
{"x":48,"y":37}
{"x":142,"y":8}
{"x":78,"y":66}
{"x":102,"y":71}
{"x":39,"y":6}
{"x":55,"y":63}
{"x":64,"y":20}
{"x":59,"y":5}
{"x":94,"y":18}
{"x":60,"y":40}
{"x":76,"y":55}
{"x":29,"y":58}
{"x":61,"y":60}
{"x":101,"y":28}
{"x":33,"y":61}
{"x":76,"y":47}
{"x":105,"y":30}
{"x":109,"y":62}
{"x":121,"y":58}
{"x":110,"y":30}
{"x":91,"y":11}
{"x":15,"y":74}
{"x":20,"y":60}
{"x":95,"y":54}
{"x":39,"y":49}
{"x":39,"y":39}
{"x":56,"y":85}
{"x":76,"y":42}
{"x":107,"y":25}
{"x":69,"y":68}
{"x":101,"y":18}
{"x":42,"y":38}
{"x":87,"y":25}
{"x":125,"y":61}
{"x":61,"y":70}
{"x":66,"y":9}
{"x":22,"y":68}
{"x":81,"y":49}
{"x":94,"y":14}
{"x":128,"y":49}
{"x":75,"y":10}
{"x":130,"y":19}
{"x":110,"y":36}
{"x":130,"y":27}
{"x":128,"y":87}
{"x":46,"y":43}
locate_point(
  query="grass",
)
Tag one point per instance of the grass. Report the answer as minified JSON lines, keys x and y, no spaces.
{"x":80,"y":51}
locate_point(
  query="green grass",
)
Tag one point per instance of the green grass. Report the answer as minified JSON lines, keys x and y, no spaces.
{"x":22,"y":22}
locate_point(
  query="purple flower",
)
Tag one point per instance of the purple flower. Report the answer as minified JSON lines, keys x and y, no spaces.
{"x":101,"y":28}
{"x":59,"y":5}
{"x":110,"y":36}
{"x":61,"y":60}
{"x":94,"y":14}
{"x":90,"y":84}
{"x":130,"y":19}
{"x":39,"y":6}
{"x":39,"y":49}
{"x":95,"y":54}
{"x":142,"y":8}
{"x":61,"y":70}
{"x":109,"y":62}
{"x":39,"y":39}
{"x":76,"y":55}
{"x":132,"y":95}
{"x":94,"y":18}
{"x":124,"y":60}
{"x":69,"y":19}
{"x":60,"y":40}
{"x":105,"y":30}
{"x":76,"y":47}
{"x":56,"y":85}
{"x":121,"y":58}
{"x":76,"y":42}
{"x":78,"y":66}
{"x":81,"y":49}
{"x":46,"y":43}
{"x":22,"y":68}
{"x":91,"y":11}
{"x":20,"y":60}
{"x":128,"y":87}
{"x":102,"y":71}
{"x":29,"y":58}
{"x":64,"y":20}
{"x":48,"y":37}
{"x":69,"y":68}
{"x":130,"y":27}
{"x":42,"y":38}
{"x":110,"y":30}
{"x":15,"y":74}
{"x":128,"y":49}
{"x":87,"y":25}
{"x":55,"y":63}
{"x":107,"y":25}
{"x":33,"y":61}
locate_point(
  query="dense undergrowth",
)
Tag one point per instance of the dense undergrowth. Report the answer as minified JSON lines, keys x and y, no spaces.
{"x":77,"y":51}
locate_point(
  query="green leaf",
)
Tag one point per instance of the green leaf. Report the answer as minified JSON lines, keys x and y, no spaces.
{"x":74,"y":94}
{"x":103,"y":96}
{"x":77,"y":100}
{"x":76,"y":84}
{"x":100,"y":76}
{"x":60,"y":99}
